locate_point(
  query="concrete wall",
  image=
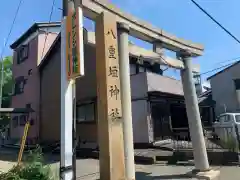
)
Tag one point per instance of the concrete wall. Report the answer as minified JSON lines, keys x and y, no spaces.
{"x":139,"y":86}
{"x":141,"y":126}
{"x":223,"y":89}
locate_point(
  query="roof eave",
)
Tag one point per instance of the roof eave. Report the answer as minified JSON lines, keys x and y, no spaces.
{"x":32,"y":29}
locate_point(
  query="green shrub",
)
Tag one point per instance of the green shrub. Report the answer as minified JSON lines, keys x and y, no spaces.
{"x":32,"y":168}
{"x":231,"y":143}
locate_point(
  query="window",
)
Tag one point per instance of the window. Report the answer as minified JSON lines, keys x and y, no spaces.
{"x":19,"y":85}
{"x":86,"y":113}
{"x":22,"y":120}
{"x":227,"y":118}
{"x":22,"y":53}
{"x":28,"y":105}
{"x":237,"y":117}
{"x":15,"y":121}
{"x":237,"y":83}
{"x":222,"y":119}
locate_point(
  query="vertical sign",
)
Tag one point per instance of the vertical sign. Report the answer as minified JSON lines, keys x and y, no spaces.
{"x":74,"y":45}
{"x":109,"y":100}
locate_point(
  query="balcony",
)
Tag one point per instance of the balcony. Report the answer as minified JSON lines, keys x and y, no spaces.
{"x":145,"y":82}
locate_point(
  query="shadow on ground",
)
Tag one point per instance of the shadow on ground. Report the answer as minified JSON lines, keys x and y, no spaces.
{"x":148,"y":176}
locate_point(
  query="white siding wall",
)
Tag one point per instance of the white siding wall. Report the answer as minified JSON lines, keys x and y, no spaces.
{"x":223,"y":89}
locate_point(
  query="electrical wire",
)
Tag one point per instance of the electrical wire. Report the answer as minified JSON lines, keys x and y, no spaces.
{"x":11,"y":28}
{"x":215,"y":69}
{"x":233,"y":59}
{"x":46,"y":33}
{"x":214,"y":20}
{"x":4,"y":46}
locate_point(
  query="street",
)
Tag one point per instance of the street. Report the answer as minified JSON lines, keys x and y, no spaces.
{"x":88,"y":169}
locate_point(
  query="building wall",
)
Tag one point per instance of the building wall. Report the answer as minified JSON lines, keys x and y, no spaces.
{"x":50,"y":98}
{"x":31,"y":93}
{"x":164,"y":84}
{"x":139,"y":86}
{"x":223,"y":89}
{"x":141,"y":125}
{"x":85,"y":91}
{"x":44,"y":43}
{"x":86,"y":86}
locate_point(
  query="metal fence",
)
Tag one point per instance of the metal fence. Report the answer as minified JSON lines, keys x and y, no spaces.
{"x":216,"y":138}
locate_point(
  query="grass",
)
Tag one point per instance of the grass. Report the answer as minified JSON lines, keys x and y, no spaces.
{"x":32,"y":168}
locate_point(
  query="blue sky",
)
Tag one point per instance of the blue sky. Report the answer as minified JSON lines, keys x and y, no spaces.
{"x":179,"y":17}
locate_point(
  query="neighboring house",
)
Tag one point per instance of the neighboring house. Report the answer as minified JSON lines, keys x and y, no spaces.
{"x":154,"y":98}
{"x":28,"y":52}
{"x":225,"y":87}
{"x":206,"y":106}
{"x":157,"y":100}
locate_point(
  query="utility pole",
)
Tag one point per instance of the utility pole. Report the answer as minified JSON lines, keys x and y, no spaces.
{"x":2,"y":79}
{"x":68,"y":158}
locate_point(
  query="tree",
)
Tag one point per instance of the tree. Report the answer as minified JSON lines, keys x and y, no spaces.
{"x":7,"y":81}
{"x":7,"y":87}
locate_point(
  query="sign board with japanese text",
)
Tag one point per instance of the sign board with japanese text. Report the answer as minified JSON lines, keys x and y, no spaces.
{"x":110,"y":130}
{"x":74,"y":44}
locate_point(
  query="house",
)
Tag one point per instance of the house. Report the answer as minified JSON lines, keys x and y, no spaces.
{"x":28,"y":51}
{"x":206,"y":106}
{"x":225,"y":87}
{"x":157,"y":100}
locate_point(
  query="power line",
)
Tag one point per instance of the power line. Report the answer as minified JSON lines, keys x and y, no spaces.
{"x":11,"y":28}
{"x":4,"y":46}
{"x":46,"y":33}
{"x":215,"y":69}
{"x":218,"y":23}
{"x":233,"y":59}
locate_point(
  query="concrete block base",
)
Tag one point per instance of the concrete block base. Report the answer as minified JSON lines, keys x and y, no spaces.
{"x":207,"y":175}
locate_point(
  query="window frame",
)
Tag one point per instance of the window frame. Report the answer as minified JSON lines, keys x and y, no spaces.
{"x":85,"y":121}
{"x":25,"y":50}
{"x":19,"y":81}
{"x":236,"y":118}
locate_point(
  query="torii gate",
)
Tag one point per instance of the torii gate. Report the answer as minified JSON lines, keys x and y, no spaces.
{"x":113,"y":82}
